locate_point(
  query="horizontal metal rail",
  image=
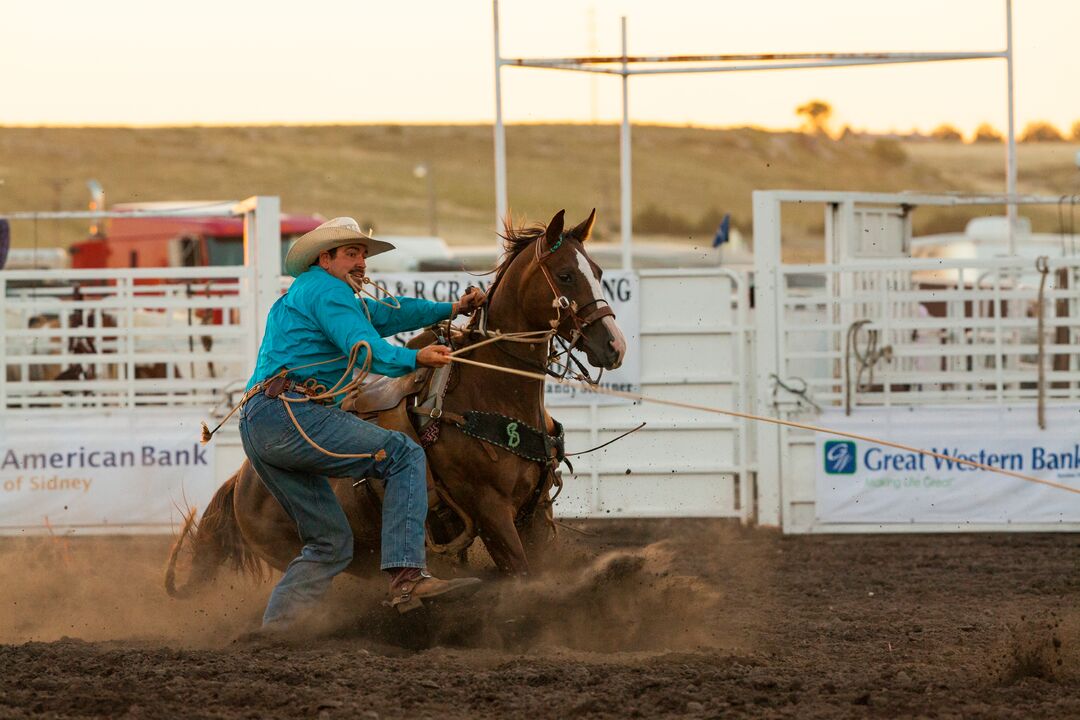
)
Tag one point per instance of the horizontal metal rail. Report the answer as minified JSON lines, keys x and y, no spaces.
{"x":748,"y":62}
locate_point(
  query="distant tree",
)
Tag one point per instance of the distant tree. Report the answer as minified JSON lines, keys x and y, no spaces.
{"x":947,"y":133}
{"x":816,"y":115}
{"x":1074,"y":133}
{"x":986,"y":133}
{"x":1041,"y":131}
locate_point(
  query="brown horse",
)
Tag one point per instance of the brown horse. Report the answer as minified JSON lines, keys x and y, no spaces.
{"x":546,"y":281}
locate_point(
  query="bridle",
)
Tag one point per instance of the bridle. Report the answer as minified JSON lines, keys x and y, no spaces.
{"x":565,"y":310}
{"x":562,"y":303}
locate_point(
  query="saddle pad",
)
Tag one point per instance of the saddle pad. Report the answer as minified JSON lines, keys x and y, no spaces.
{"x":511,"y":434}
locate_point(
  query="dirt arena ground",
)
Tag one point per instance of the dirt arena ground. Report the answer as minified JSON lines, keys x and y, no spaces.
{"x":643,"y":619}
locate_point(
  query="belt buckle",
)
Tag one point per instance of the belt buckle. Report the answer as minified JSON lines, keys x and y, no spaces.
{"x":277,"y":385}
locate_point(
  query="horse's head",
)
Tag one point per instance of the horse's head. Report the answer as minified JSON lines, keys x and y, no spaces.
{"x":560,"y":284}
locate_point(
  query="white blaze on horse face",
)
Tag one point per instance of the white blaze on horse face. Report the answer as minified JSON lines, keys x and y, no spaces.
{"x":618,"y":340}
{"x":586,"y":272}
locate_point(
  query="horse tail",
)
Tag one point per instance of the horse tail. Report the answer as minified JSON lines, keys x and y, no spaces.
{"x":215,"y":539}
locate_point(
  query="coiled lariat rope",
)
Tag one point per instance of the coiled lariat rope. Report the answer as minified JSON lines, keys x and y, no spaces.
{"x":341,"y":387}
{"x":338,"y":389}
{"x":761,"y":418}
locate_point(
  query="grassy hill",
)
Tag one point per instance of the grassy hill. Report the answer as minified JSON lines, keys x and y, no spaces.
{"x":684,"y":178}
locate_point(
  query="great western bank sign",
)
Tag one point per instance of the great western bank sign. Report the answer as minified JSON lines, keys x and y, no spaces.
{"x":102,"y":471}
{"x":862,"y":482}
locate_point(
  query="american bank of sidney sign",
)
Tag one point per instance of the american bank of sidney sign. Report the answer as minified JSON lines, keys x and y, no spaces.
{"x":861,"y":482}
{"x":621,"y":290}
{"x":109,"y":470}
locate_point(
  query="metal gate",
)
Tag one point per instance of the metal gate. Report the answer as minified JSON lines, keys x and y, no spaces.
{"x":695,"y":347}
{"x":876,"y":328}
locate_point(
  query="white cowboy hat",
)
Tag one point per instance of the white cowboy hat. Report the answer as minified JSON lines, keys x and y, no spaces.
{"x":331,"y":234}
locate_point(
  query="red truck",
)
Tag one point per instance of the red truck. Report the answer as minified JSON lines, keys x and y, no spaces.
{"x":192,"y":235}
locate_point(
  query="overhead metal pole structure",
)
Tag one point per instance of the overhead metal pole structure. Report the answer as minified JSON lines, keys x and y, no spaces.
{"x":1010,"y":158}
{"x":624,"y":66}
{"x":501,"y":203}
{"x":626,"y":206}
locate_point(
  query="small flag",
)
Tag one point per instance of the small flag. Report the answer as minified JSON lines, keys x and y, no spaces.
{"x":723,"y":233}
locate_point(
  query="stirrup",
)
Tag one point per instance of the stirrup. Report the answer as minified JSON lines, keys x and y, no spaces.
{"x":405,"y":601}
{"x":407,"y":598}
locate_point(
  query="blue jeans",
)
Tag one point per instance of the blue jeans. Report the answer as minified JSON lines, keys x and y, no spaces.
{"x":296,"y":474}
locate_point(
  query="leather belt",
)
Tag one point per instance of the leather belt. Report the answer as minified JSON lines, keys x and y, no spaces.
{"x":278,"y":384}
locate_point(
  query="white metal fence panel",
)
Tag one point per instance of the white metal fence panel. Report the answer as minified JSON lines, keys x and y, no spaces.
{"x":695,"y":347}
{"x":124,"y":338}
{"x":923,"y":333}
{"x":920,"y":332}
{"x":863,"y":331}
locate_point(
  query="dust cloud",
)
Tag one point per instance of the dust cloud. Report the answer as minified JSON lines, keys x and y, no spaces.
{"x":110,"y":588}
{"x":637,"y":596}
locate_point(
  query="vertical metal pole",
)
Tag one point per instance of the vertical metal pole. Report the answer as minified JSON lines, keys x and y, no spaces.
{"x":262,"y":263}
{"x":624,"y":158}
{"x":594,"y":107}
{"x":501,"y":203}
{"x":433,"y":212}
{"x":768,"y":327}
{"x":1010,"y":159}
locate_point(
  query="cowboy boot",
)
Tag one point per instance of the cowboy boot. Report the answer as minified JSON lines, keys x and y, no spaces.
{"x":410,"y":586}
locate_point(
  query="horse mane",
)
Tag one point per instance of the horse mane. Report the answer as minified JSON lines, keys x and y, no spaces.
{"x":516,"y":239}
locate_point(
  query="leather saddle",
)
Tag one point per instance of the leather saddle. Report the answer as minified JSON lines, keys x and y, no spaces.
{"x":385,"y":393}
{"x":386,"y":402}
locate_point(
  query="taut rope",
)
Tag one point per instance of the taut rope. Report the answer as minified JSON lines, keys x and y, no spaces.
{"x":774,"y":421}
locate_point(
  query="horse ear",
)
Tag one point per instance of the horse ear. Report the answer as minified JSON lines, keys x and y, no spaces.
{"x":584,"y":230}
{"x":555,"y":228}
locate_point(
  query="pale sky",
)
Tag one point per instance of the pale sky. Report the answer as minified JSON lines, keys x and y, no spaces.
{"x":139,"y":62}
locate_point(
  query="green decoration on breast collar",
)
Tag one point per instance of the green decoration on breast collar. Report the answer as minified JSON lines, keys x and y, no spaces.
{"x":512,"y":437}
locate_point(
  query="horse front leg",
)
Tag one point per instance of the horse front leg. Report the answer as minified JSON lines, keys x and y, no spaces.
{"x":495,"y":526}
{"x":538,"y":535}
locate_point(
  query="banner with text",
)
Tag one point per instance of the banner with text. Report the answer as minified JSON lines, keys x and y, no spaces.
{"x":102,"y":471}
{"x":860,"y":482}
{"x":620,"y":289}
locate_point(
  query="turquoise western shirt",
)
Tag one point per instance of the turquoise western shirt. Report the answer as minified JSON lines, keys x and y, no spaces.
{"x":320,"y":319}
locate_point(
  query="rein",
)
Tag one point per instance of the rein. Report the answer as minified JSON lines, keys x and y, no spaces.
{"x":560,"y":303}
